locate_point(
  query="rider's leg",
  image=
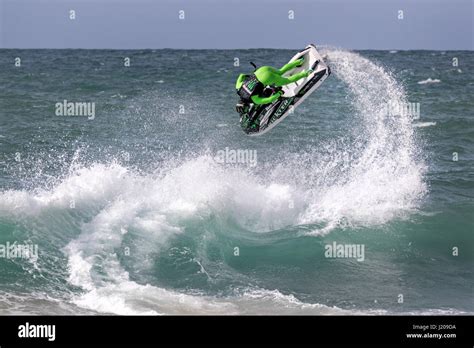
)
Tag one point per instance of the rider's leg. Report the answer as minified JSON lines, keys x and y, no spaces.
{"x":289,"y":66}
{"x":268,"y":77}
{"x":282,"y":81}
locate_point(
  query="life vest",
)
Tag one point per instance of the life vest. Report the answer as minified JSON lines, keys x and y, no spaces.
{"x":251,"y":86}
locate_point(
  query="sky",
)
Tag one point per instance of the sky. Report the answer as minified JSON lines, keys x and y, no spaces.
{"x":229,"y":24}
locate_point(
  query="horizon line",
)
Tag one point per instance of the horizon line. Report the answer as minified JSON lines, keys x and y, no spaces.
{"x":231,"y":49}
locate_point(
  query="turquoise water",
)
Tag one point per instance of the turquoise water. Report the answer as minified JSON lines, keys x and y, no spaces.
{"x":133,"y":214}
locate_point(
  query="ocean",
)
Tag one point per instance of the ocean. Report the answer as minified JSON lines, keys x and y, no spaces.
{"x":152,"y":200}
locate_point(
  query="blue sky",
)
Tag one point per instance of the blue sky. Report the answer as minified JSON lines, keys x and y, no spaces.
{"x":137,"y":24}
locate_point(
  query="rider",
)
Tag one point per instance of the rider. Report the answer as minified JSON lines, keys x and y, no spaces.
{"x":250,"y":87}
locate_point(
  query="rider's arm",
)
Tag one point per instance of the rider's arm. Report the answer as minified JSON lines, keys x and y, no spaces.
{"x":259,"y":100}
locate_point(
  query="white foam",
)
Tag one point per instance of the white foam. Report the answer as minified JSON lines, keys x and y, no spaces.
{"x":83,"y":187}
{"x":428,"y":81}
{"x":424,"y":124}
{"x":154,"y":205}
{"x":130,"y":298}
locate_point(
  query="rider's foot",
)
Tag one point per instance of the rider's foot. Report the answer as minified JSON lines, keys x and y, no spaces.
{"x":300,"y":61}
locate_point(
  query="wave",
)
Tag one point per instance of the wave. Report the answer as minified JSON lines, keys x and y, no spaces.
{"x":103,"y":211}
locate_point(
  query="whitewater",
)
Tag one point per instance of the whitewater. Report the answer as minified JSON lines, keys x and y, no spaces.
{"x":168,"y":229}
